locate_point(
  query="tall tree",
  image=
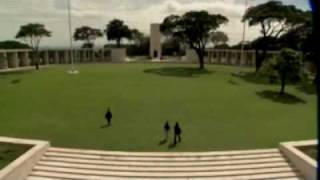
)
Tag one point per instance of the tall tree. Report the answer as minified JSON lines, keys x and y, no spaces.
{"x":275,"y":19}
{"x":117,"y":30}
{"x":136,"y":36}
{"x":194,"y":29}
{"x":219,"y":38}
{"x":171,"y":46}
{"x":88,"y":35}
{"x":288,"y":65}
{"x":33,"y":33}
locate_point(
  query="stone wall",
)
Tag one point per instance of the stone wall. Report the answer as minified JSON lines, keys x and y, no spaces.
{"x":227,"y":57}
{"x":15,"y":58}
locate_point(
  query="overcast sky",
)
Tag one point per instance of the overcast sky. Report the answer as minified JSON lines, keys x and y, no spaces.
{"x":136,"y":13}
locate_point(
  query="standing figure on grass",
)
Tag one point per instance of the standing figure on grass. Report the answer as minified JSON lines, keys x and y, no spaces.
{"x":166,"y":130}
{"x":177,"y":134}
{"x":108,"y":117}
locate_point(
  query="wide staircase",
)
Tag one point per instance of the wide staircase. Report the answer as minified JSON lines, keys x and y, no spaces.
{"x":74,"y":164}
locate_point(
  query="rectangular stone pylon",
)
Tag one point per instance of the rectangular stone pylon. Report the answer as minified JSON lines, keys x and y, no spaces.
{"x":155,"y":42}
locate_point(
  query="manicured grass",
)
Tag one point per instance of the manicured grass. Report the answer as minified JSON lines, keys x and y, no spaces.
{"x":216,"y":110}
{"x":10,"y":152}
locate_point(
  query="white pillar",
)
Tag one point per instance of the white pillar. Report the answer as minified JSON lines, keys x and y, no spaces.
{"x":13,"y":60}
{"x":3,"y":60}
{"x":209,"y":57}
{"x":86,"y":55}
{"x":244,"y":59}
{"x":24,"y":58}
{"x":102,"y":55}
{"x":45,"y":57}
{"x":253,"y":59}
{"x":56,"y":57}
{"x":65,"y":57}
{"x":76,"y":55}
{"x":82,"y":53}
{"x":93,"y":57}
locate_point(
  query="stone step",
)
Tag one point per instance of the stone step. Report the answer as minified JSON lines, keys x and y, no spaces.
{"x":160,"y":169}
{"x":161,"y":154}
{"x":278,"y":176}
{"x":76,"y":174}
{"x":163,"y":159}
{"x":164,"y":164}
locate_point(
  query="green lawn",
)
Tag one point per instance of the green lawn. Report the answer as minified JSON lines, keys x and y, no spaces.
{"x":10,"y":152}
{"x":216,"y":110}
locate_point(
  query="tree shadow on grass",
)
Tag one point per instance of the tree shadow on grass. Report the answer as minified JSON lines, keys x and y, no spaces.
{"x":307,"y":88}
{"x":15,"y":81}
{"x":186,"y":72}
{"x":277,"y":97}
{"x":252,"y":77}
{"x":162,"y":142}
{"x":233,"y":83}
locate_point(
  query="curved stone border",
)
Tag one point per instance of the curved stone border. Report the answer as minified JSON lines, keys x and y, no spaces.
{"x":306,"y":165}
{"x":21,"y":167}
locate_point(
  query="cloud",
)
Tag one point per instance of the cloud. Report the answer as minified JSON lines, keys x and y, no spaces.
{"x":97,"y":13}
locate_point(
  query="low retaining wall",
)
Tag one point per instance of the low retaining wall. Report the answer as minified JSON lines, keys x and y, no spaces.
{"x":306,"y":165}
{"x":21,"y":167}
{"x":118,"y":55}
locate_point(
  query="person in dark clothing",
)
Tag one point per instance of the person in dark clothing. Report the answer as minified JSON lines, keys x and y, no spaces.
{"x":108,"y":117}
{"x":177,"y":134}
{"x":166,"y":130}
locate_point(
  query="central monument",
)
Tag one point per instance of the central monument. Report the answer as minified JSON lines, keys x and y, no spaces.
{"x":155,"y":42}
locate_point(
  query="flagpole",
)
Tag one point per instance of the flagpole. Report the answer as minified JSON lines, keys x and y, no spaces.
{"x":72,"y":71}
{"x":243,"y":35}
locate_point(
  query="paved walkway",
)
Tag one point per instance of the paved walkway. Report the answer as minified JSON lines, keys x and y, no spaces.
{"x":74,"y":164}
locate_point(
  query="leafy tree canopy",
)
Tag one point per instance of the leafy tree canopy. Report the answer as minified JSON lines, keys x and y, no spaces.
{"x":87,"y":34}
{"x":33,"y":33}
{"x":13,"y":45}
{"x":275,"y":18}
{"x":136,"y":36}
{"x":219,"y":38}
{"x":288,"y":65}
{"x":193,"y":28}
{"x":117,"y":30}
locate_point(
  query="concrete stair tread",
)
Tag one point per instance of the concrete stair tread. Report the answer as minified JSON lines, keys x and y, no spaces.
{"x":73,"y":176}
{"x":279,"y":176}
{"x":162,"y":169}
{"x":164,"y":164}
{"x":161,"y":174}
{"x":164,"y":159}
{"x":161,"y":154}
